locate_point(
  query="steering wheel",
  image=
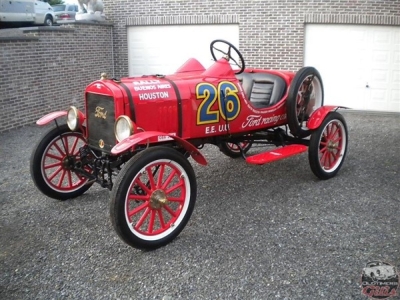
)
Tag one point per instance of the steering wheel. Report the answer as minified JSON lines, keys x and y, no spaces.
{"x":228,"y":55}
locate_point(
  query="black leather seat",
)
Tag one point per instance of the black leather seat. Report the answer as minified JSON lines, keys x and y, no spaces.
{"x":262,"y":89}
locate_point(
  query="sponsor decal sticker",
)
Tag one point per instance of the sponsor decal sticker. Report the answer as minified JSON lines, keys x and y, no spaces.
{"x":257,"y":120}
{"x":162,"y":138}
{"x":154,"y":96}
{"x":146,"y":82}
{"x":152,"y":89}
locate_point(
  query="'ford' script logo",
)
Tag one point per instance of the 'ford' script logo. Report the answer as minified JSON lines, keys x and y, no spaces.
{"x":100,"y":113}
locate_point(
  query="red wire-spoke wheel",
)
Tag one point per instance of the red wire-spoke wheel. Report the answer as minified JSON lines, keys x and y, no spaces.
{"x":232,"y":149}
{"x":306,"y":94}
{"x":153,"y":198}
{"x":328,"y":146}
{"x":53,"y":161}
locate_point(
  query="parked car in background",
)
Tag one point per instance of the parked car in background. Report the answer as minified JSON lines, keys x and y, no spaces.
{"x":65,"y":12}
{"x":26,"y":11}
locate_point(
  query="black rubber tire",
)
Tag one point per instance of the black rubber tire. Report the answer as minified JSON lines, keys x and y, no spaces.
{"x":36,"y":164}
{"x":296,"y":126}
{"x":234,"y":153}
{"x":333,"y":121}
{"x":121,"y":189}
{"x":48,"y":21}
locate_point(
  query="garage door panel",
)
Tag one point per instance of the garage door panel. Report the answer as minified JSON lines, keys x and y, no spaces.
{"x":396,"y":56}
{"x":359,"y":64}
{"x":380,"y":78}
{"x":395,"y":105}
{"x":395,"y":92}
{"x":396,"y":77}
{"x":163,"y":49}
{"x":378,"y":97}
{"x":353,"y":97}
{"x":381,"y":38}
{"x":381,"y":57}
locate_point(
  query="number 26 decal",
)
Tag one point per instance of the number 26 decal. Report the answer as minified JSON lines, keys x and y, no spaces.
{"x":226,"y":95}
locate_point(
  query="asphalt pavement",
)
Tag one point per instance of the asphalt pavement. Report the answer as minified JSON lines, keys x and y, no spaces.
{"x":257,"y":232}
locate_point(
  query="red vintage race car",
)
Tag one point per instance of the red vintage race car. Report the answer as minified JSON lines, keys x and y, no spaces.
{"x":137,"y":133}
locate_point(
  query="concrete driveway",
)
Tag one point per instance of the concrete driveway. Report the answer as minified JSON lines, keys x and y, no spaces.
{"x":257,"y":232}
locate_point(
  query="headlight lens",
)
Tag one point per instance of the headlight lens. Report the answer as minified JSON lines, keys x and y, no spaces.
{"x":73,"y":118}
{"x":123,"y":128}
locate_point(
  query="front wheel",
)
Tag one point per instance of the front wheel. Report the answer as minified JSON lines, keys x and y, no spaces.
{"x":153,"y":198}
{"x":52,"y":164}
{"x":328,"y":146}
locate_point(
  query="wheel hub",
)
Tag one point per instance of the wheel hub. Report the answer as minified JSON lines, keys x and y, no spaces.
{"x":332,"y":146}
{"x":68,"y":163}
{"x":158,"y":199}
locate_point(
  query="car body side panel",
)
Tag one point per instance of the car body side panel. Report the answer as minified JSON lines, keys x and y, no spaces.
{"x":221,"y":107}
{"x":25,"y":11}
{"x":199,"y":106}
{"x":153,"y":97}
{"x":17,"y":11}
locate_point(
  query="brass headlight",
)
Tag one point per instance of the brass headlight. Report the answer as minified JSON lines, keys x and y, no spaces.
{"x":123,"y":128}
{"x":73,"y":118}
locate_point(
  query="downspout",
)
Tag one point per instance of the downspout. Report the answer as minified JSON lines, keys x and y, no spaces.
{"x":112,"y":51}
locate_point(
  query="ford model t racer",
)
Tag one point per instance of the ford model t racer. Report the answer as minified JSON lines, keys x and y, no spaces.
{"x":136,"y":134}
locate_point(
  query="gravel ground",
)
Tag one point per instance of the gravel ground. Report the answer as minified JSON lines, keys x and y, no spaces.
{"x":257,"y":232}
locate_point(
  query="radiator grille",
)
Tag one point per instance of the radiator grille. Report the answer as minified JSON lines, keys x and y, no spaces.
{"x":100,"y":121}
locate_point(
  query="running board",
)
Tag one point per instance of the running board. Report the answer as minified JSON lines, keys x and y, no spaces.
{"x":276,"y":154}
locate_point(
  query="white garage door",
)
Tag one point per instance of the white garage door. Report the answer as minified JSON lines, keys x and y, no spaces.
{"x":163,"y":49}
{"x":359,"y":64}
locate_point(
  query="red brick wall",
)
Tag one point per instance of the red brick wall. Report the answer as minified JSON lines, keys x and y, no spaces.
{"x":47,"y":69}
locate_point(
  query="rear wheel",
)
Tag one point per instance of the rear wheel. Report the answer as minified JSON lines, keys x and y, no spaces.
{"x":328,"y":146}
{"x":153,"y":198}
{"x":52,"y":164}
{"x":233,"y":150}
{"x":306,"y":94}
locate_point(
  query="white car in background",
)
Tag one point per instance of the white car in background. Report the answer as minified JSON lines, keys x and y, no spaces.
{"x":377,"y":270}
{"x":36,"y":12}
{"x":65,"y":12}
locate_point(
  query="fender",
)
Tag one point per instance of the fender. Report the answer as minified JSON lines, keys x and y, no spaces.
{"x":142,"y":136}
{"x":318,"y":116}
{"x":50,"y":117}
